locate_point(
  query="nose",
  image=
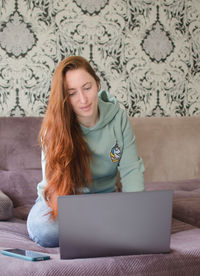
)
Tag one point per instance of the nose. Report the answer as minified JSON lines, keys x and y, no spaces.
{"x":82,"y":97}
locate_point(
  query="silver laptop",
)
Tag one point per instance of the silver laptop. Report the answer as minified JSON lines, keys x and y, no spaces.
{"x":113,"y":224}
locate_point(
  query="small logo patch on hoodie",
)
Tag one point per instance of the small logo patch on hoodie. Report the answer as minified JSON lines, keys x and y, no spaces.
{"x":115,"y":153}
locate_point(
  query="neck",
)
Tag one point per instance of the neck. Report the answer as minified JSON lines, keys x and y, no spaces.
{"x":89,"y":122}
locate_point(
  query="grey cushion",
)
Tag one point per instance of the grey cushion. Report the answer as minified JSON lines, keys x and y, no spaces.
{"x":6,"y":207}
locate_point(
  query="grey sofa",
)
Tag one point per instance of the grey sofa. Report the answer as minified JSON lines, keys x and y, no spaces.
{"x":170,"y":148}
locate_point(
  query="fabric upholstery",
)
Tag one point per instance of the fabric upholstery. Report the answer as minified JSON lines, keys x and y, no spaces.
{"x":20,"y":162}
{"x":6,"y":207}
{"x":183,"y":259}
{"x":170,"y":147}
{"x":185,"y":185}
{"x":186,"y":203}
{"x":170,"y":151}
{"x":20,"y":186}
{"x":186,"y":207}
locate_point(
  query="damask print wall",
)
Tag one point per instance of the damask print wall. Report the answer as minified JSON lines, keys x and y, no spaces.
{"x":146,"y":52}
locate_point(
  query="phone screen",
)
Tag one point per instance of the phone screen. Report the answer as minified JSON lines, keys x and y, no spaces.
{"x":25,"y":254}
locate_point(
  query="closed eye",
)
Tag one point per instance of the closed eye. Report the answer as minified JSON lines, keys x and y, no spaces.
{"x":72,"y":92}
{"x":87,"y":86}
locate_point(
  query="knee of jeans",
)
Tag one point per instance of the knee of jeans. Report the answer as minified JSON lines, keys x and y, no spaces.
{"x":47,"y":239}
{"x":45,"y":235}
{"x":44,"y":232}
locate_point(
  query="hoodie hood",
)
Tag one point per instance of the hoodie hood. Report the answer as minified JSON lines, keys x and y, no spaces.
{"x":108,"y":108}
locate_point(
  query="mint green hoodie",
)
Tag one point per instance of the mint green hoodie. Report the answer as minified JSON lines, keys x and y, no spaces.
{"x":113,"y":147}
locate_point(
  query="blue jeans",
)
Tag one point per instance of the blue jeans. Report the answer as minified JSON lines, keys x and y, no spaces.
{"x":41,"y":228}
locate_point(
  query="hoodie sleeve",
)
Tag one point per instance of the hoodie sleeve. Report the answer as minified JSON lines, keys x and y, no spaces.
{"x":131,"y":167}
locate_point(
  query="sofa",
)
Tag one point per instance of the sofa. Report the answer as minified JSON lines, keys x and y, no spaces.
{"x":170,"y":149}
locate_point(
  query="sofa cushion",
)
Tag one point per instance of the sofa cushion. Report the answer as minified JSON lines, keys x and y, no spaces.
{"x":20,"y":162}
{"x":186,"y":206}
{"x":22,"y":212}
{"x":169,"y":147}
{"x":20,"y":186}
{"x":6,"y":207}
{"x":19,"y":145}
{"x":177,"y":185}
{"x":186,"y":202}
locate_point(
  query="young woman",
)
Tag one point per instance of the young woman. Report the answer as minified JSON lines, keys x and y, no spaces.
{"x":86,"y":138}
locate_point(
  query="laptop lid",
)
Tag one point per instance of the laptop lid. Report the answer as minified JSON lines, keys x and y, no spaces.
{"x":111,"y":224}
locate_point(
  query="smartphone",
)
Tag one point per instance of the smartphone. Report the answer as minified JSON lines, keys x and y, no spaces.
{"x":25,"y":254}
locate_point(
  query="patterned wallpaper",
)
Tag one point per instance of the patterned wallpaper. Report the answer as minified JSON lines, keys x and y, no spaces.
{"x":146,"y":52}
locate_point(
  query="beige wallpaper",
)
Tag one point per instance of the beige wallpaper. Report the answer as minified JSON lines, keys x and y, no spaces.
{"x":146,"y":52}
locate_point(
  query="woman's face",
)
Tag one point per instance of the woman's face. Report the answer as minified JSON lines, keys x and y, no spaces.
{"x":83,"y":96}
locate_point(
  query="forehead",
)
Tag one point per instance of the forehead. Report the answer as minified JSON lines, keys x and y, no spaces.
{"x":77,"y":77}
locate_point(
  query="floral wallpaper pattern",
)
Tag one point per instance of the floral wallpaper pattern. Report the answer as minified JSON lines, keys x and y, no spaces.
{"x":146,"y":52}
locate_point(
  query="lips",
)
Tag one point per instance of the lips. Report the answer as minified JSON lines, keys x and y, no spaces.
{"x":86,"y":108}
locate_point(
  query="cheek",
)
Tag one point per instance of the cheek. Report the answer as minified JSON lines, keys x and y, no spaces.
{"x":95,"y":97}
{"x":95,"y":102}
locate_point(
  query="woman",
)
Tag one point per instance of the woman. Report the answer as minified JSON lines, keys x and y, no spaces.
{"x":86,"y":138}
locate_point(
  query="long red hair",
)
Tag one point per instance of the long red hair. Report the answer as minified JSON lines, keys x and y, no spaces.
{"x":66,"y":152}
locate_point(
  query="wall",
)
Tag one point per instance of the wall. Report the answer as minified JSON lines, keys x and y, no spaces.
{"x":146,"y":52}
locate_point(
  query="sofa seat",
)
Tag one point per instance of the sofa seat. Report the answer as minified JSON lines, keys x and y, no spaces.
{"x":183,"y":258}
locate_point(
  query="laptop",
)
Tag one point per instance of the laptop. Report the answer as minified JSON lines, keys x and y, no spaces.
{"x":113,"y":224}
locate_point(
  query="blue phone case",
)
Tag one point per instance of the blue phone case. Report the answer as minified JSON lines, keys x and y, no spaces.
{"x":25,"y":254}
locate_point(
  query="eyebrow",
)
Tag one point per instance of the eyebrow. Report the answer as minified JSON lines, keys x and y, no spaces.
{"x":89,"y":82}
{"x":85,"y":84}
